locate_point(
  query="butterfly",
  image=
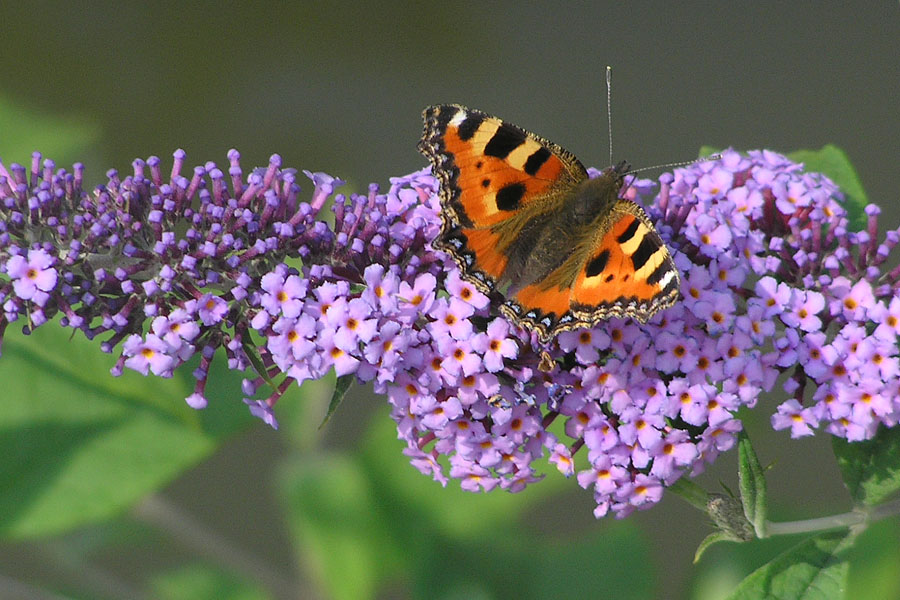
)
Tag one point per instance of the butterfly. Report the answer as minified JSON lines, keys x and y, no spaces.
{"x":521,"y":217}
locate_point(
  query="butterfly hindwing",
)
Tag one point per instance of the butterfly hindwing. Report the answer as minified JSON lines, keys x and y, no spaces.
{"x":624,"y":270}
{"x":629,"y":271}
{"x":521,"y":217}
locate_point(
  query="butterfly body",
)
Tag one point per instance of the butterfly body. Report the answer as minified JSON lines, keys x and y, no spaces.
{"x":521,"y":217}
{"x":550,"y":240}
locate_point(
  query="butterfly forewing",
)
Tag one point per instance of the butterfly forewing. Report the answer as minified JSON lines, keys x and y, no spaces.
{"x":490,"y":170}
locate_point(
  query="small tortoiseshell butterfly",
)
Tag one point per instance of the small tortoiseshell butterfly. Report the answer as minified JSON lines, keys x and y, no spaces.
{"x":521,"y":217}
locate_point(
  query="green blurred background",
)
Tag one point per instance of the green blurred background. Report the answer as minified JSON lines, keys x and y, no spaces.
{"x":338,"y":512}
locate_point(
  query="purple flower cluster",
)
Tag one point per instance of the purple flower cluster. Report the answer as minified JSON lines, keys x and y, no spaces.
{"x":819,"y":290}
{"x":773,"y":283}
{"x":161,"y":266}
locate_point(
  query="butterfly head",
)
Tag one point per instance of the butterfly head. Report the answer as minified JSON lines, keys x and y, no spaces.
{"x":620,"y":170}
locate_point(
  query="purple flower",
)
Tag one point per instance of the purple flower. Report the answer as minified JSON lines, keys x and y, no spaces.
{"x":473,"y":478}
{"x":803,"y":309}
{"x":451,"y":318}
{"x":586,"y":343}
{"x":283,"y":295}
{"x":211,"y":309}
{"x":717,"y":309}
{"x":459,"y":358}
{"x":851,"y":300}
{"x":465,"y":291}
{"x":32,"y":278}
{"x":888,"y":319}
{"x":709,"y":235}
{"x":714,"y":185}
{"x":292,"y":340}
{"x":261,"y":410}
{"x":754,"y":323}
{"x":671,"y":456}
{"x":495,"y":345}
{"x":643,"y":492}
{"x":352,"y":323}
{"x":417,"y":297}
{"x":382,"y":289}
{"x":774,"y":295}
{"x":562,"y":458}
{"x":604,"y":475}
{"x":177,"y":329}
{"x":387,"y":348}
{"x":148,"y":355}
{"x":197,"y":401}
{"x":332,"y":354}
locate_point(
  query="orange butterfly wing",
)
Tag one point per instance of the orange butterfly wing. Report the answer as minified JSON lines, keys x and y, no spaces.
{"x":490,"y":171}
{"x":629,"y":272}
{"x":500,"y":184}
{"x":625,"y":270}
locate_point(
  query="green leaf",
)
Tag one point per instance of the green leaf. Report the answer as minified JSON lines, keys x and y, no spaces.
{"x":752,"y":485}
{"x":341,"y":385}
{"x":196,"y":581}
{"x":80,"y":445}
{"x":713,"y":538}
{"x":708,"y":151}
{"x":443,"y":532}
{"x":815,"y":569}
{"x":871,"y":469}
{"x":346,"y":540}
{"x":615,"y":554}
{"x":873,"y":562}
{"x":256,"y":360}
{"x":411,"y":493}
{"x":834,"y":163}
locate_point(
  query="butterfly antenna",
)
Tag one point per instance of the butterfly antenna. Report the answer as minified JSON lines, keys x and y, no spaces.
{"x":682,"y":163}
{"x":609,"y":110}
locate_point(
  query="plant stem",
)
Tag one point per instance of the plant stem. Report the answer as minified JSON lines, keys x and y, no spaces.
{"x":848,"y":519}
{"x":696,"y":496}
{"x":820,"y":524}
